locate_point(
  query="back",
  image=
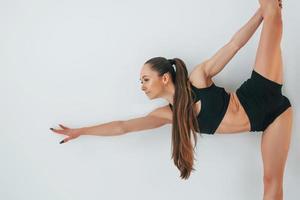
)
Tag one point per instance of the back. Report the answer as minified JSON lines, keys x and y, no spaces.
{"x":214,"y":102}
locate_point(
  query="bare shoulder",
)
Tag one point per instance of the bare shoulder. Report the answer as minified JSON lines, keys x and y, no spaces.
{"x":198,"y":77}
{"x":163,"y":112}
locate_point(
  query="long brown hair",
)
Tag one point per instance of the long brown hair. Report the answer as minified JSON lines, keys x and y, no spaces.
{"x":185,"y":122}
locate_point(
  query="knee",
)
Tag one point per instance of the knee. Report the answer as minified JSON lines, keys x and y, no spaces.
{"x":272,"y":181}
{"x":272,"y":188}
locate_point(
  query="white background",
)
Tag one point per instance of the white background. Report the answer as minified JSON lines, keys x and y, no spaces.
{"x":78,"y":63}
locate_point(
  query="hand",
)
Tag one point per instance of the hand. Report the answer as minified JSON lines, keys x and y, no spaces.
{"x":280,"y":3}
{"x":72,"y":133}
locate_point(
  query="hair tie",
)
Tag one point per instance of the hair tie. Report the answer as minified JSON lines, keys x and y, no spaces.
{"x":172,"y":61}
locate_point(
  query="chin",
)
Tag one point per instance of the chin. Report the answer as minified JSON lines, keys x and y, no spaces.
{"x":149,"y":96}
{"x":152,"y":97}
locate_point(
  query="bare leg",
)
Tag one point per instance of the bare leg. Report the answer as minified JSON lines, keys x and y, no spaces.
{"x":268,"y":61}
{"x":274,"y":148}
{"x":276,"y":138}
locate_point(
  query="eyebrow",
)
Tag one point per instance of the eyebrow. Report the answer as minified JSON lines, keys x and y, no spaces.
{"x":143,"y":77}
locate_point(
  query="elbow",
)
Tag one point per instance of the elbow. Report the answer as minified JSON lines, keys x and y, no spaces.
{"x":235,"y":44}
{"x":121,"y":128}
{"x":116,"y":128}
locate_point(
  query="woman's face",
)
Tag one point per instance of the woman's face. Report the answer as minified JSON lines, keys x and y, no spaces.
{"x":151,"y":83}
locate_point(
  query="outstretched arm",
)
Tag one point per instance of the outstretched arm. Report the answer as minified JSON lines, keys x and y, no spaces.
{"x":216,"y":63}
{"x":241,"y":37}
{"x":154,"y":119}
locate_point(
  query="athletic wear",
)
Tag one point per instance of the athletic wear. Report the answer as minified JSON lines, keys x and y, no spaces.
{"x":260,"y":97}
{"x":262,"y":100}
{"x":214,"y":103}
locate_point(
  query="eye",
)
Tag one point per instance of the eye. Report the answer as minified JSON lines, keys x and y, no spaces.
{"x":144,"y":80}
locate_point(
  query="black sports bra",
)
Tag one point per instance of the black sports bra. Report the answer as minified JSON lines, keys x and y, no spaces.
{"x":214,"y":103}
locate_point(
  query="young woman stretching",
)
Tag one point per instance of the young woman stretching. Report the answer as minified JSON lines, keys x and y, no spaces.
{"x":196,"y":104}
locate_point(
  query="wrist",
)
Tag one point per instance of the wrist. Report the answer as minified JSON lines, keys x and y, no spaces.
{"x":259,"y":12}
{"x":82,"y":131}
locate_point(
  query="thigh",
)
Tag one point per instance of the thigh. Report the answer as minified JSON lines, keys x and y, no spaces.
{"x":275,"y":145}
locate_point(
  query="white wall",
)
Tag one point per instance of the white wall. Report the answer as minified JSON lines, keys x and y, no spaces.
{"x":78,"y":63}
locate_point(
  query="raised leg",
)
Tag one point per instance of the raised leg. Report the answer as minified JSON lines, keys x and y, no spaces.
{"x":274,"y":148}
{"x":268,"y":61}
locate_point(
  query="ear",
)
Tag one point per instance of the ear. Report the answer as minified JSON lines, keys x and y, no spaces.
{"x":166,"y":78}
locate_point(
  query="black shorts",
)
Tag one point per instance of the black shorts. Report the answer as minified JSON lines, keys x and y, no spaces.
{"x":262,"y":100}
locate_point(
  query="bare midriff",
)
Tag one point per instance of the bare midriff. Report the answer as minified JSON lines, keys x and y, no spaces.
{"x":235,"y":119}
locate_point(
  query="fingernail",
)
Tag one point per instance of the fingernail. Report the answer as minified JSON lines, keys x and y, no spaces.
{"x":62,"y":141}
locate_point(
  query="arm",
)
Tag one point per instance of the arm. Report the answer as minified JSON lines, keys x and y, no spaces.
{"x":241,"y":37}
{"x":217,"y":62}
{"x":106,"y":129}
{"x":154,"y":119}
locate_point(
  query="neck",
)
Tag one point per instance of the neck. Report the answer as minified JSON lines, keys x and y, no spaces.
{"x":169,"y":93}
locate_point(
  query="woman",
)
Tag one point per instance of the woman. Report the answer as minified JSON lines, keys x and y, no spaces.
{"x":196,"y":104}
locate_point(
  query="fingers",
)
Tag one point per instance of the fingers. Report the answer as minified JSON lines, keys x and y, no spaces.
{"x":280,"y":3}
{"x":65,"y":140}
{"x":63,"y":127}
{"x":58,"y":131}
{"x":65,"y":131}
{"x":264,"y":2}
